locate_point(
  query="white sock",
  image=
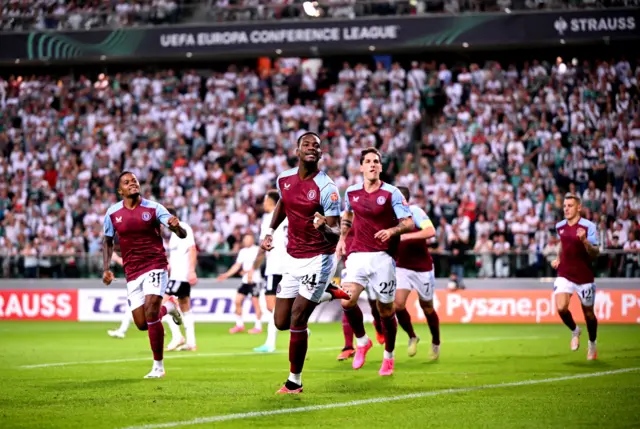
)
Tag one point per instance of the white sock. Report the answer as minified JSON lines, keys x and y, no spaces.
{"x":170,"y":306}
{"x":258,"y":324}
{"x":576,"y":331}
{"x":126,"y":321}
{"x":272,"y":332}
{"x":362,"y":341}
{"x":592,"y":343}
{"x":175,"y":329}
{"x":239,"y":321}
{"x":189,"y":327}
{"x":159,"y":364}
{"x":388,"y":355}
{"x":295,"y":378}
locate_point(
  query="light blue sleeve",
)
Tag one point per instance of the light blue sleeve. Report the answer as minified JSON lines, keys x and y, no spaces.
{"x":420,"y":218}
{"x":162,"y":214}
{"x":109,"y":231}
{"x":400,"y":206}
{"x":347,"y":204}
{"x":330,"y":199}
{"x":592,"y":234}
{"x":278,"y":186}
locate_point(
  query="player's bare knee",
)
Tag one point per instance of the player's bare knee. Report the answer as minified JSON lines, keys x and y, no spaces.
{"x":386,"y":310}
{"x":427,"y":307}
{"x":282,"y":323}
{"x":400,"y":306}
{"x":563,"y":308}
{"x":588,"y":313}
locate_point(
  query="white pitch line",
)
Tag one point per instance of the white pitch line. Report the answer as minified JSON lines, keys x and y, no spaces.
{"x":253,"y":414}
{"x":167,"y":356}
{"x":228,"y":354}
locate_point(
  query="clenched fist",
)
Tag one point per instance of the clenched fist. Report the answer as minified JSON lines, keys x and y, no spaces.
{"x":107,"y":277}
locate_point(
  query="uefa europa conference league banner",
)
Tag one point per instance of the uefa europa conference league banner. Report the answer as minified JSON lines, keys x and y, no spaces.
{"x":217,"y":305}
{"x":328,"y":36}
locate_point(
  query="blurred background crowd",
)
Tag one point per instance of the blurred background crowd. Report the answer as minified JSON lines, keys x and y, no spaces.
{"x":24,"y":15}
{"x":488,"y":150}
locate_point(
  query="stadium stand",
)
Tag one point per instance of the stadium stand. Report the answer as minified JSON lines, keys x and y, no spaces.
{"x":16,"y":15}
{"x":488,"y":149}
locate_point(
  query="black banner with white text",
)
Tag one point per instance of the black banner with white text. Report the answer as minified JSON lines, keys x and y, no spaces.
{"x":326,"y":37}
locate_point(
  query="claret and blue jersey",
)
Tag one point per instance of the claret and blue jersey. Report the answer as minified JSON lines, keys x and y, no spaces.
{"x":375,"y":211}
{"x":301,"y":200}
{"x":138,"y":231}
{"x":575,"y":262}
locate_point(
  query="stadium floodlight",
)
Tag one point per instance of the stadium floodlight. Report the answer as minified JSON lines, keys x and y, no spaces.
{"x":311,"y":9}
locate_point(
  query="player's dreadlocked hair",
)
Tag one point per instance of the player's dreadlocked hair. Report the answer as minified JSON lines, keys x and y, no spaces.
{"x":308,"y":133}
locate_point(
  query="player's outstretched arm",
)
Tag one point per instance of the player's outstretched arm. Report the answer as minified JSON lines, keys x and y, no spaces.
{"x":230,"y":272}
{"x":107,"y":250}
{"x":279,"y":216}
{"x":556,"y":262}
{"x":107,"y":254}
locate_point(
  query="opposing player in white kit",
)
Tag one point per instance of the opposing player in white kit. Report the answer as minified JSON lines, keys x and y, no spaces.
{"x":415,"y":272}
{"x":244,"y":264}
{"x":379,"y":214}
{"x":276,"y":260}
{"x":127,"y":318}
{"x":183,"y":259}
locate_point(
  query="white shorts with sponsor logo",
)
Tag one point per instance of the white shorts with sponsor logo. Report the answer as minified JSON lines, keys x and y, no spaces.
{"x":376,"y":272}
{"x":586,"y":292}
{"x":422,"y":282}
{"x":308,"y":277}
{"x":152,"y":282}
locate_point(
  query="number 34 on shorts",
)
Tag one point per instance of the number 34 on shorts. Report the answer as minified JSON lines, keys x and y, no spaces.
{"x":308,"y":277}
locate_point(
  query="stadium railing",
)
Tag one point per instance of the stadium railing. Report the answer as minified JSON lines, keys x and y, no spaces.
{"x":611,"y":263}
{"x":208,"y":11}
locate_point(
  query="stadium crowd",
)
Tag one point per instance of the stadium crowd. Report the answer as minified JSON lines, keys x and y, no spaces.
{"x":487,"y":150}
{"x":24,"y":15}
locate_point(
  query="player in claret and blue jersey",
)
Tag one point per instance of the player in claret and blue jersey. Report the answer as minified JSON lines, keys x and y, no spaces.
{"x":579,"y":247}
{"x":378,"y":214}
{"x":137,"y":222}
{"x":415,"y":272}
{"x":309,"y":200}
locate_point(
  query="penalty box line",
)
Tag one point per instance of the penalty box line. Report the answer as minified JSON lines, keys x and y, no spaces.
{"x":254,"y":414}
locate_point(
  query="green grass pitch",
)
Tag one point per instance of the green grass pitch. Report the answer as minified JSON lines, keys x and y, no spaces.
{"x":99,"y":383}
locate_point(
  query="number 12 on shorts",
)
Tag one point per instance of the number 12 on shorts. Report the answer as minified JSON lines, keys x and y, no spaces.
{"x":588,"y":293}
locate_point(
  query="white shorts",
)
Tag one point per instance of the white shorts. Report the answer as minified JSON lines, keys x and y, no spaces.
{"x":376,"y":272}
{"x":586,"y":292}
{"x":422,"y":282}
{"x":308,"y":277}
{"x":152,"y":282}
